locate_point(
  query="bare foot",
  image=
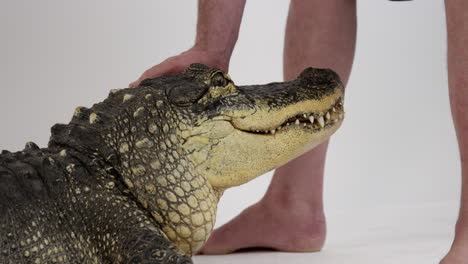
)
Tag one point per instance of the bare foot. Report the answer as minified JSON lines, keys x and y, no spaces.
{"x":293,"y":228}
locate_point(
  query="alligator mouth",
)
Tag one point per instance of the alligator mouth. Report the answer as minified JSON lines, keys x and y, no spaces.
{"x":314,"y":121}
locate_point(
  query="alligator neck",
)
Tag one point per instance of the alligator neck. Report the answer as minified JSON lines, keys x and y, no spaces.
{"x":134,"y":132}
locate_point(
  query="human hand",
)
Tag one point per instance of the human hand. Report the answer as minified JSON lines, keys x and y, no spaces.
{"x":180,"y":62}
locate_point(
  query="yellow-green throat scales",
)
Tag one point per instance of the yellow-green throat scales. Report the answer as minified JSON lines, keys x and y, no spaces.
{"x":137,"y":177}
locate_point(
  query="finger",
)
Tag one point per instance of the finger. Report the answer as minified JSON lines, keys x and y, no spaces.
{"x":165,"y":67}
{"x":133,"y":84}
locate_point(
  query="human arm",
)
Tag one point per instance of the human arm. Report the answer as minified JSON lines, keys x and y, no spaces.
{"x":217,"y":31}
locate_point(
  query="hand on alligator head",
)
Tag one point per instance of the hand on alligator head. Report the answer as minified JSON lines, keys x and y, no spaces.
{"x":178,"y":63}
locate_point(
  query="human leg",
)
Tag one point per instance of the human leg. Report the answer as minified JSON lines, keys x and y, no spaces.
{"x":457,"y":37}
{"x":318,"y":34}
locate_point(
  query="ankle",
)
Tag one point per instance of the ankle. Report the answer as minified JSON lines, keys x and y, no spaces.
{"x":282,"y":202}
{"x":308,"y":219}
{"x":305,"y":226}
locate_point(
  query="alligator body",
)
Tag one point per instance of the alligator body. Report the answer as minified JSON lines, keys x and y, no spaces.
{"x":137,"y":177}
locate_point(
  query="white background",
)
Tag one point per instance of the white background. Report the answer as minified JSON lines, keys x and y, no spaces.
{"x":392,"y":169}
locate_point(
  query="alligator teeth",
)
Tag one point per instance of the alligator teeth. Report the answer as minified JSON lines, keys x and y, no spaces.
{"x":321,"y":121}
{"x":311,"y":118}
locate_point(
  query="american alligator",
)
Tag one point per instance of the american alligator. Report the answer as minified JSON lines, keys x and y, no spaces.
{"x":137,"y":177}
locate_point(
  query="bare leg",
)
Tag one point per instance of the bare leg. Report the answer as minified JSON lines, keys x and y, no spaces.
{"x":457,"y":30}
{"x":318,"y":34}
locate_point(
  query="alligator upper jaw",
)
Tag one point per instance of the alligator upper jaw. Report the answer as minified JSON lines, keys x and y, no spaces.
{"x":311,"y":118}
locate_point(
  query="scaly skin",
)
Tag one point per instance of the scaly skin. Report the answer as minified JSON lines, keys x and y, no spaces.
{"x":137,"y":177}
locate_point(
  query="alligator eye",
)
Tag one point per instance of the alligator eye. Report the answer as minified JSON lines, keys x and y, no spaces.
{"x":185,"y":92}
{"x":218,"y":80}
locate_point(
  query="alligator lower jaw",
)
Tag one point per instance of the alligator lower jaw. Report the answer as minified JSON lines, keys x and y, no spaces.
{"x":309,"y":121}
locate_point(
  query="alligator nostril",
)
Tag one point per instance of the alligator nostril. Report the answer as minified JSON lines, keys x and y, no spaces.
{"x":315,"y":76}
{"x":317,"y":73}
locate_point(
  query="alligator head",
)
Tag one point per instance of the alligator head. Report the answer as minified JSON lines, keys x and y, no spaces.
{"x":237,"y":133}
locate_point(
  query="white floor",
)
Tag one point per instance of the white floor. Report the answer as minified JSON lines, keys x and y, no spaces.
{"x":410,"y":234}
